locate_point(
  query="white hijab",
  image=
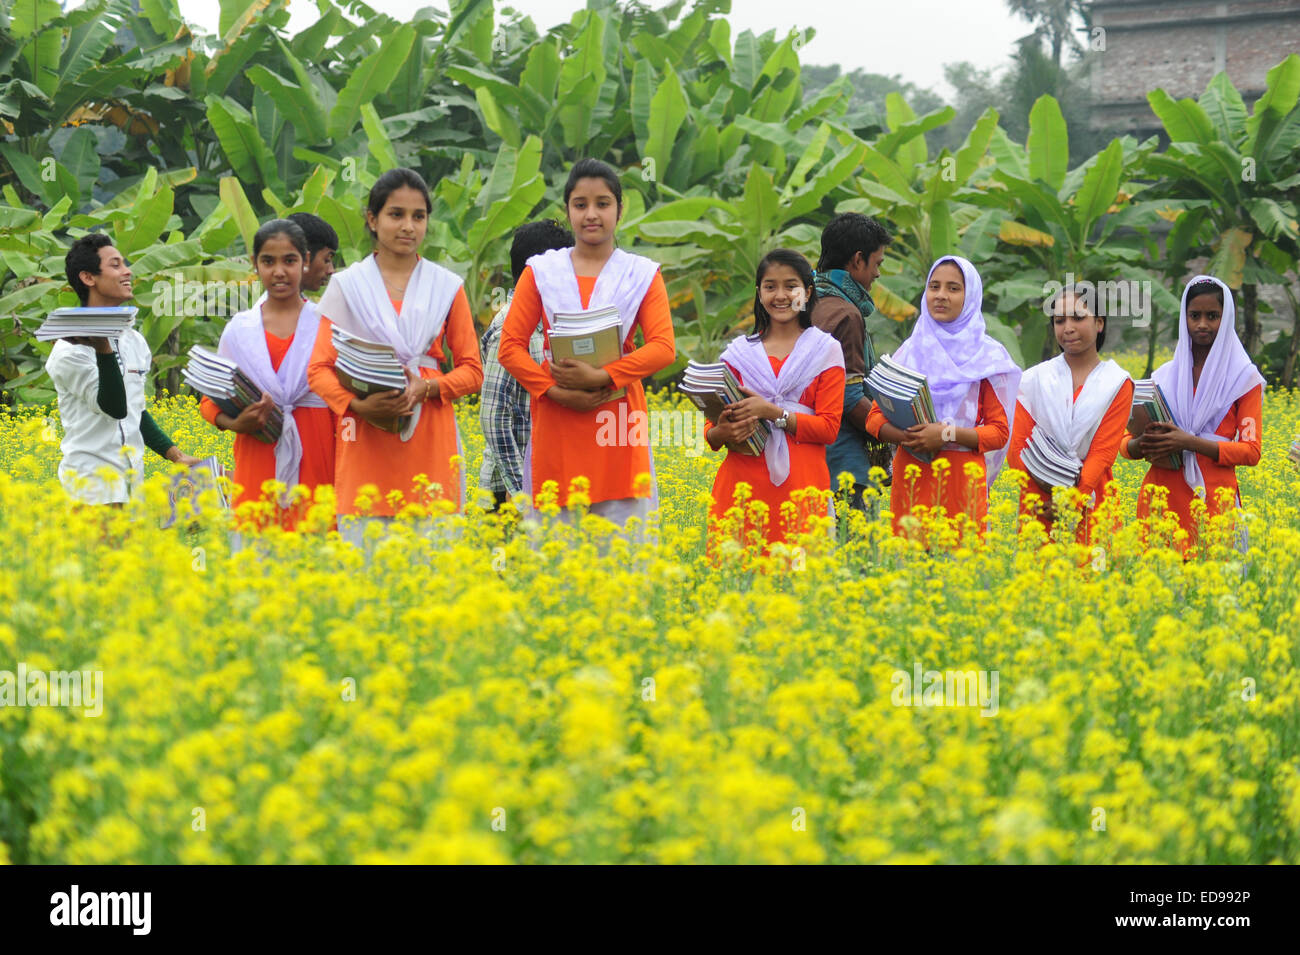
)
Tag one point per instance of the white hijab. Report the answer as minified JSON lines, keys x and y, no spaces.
{"x":1228,"y":374}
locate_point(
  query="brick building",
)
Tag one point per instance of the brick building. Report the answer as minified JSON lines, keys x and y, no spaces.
{"x":1180,"y":45}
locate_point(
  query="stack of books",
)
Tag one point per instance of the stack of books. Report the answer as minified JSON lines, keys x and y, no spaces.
{"x":903,"y":396}
{"x":594,"y":336}
{"x":1294,"y":453}
{"x":712,"y":386}
{"x":1049,"y":462}
{"x":229,"y":388}
{"x":1149,"y":405}
{"x":365,"y":368}
{"x":109,"y":322}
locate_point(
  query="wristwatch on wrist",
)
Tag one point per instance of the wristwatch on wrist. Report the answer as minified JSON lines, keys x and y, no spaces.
{"x":782,"y":422}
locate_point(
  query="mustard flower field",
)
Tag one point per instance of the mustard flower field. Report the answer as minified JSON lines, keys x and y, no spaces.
{"x":485,"y":690}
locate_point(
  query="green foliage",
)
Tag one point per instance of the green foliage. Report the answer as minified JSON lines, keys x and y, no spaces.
{"x":179,"y":143}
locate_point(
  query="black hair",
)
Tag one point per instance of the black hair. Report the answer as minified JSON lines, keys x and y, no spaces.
{"x":1079,"y":296}
{"x":285,"y":227}
{"x":390,"y":182}
{"x":763,"y":321}
{"x":534,"y":238}
{"x":848,"y":234}
{"x":84,"y":257}
{"x":320,"y":234}
{"x":1205,"y":287}
{"x":594,"y":169}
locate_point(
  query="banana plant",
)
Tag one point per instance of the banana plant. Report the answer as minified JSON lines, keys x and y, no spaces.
{"x":710,"y":247}
{"x":1052,"y":222}
{"x":927,"y":205}
{"x":144,"y":225}
{"x":475,"y":216}
{"x":1244,"y":169}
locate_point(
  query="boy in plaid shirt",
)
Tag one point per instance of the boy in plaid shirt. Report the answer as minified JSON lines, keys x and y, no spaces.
{"x":503,"y":403}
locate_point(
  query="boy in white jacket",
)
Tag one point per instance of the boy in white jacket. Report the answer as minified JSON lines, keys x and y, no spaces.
{"x":101,"y":388}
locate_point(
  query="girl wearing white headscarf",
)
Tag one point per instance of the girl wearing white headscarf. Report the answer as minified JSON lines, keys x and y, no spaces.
{"x":1216,"y":395}
{"x":973,"y":382}
{"x":1076,"y":400}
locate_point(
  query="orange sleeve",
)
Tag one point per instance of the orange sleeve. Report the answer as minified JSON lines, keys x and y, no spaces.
{"x":208,"y":408}
{"x":521,"y":321}
{"x":320,"y":371}
{"x":1245,"y":451}
{"x":1111,"y":433}
{"x":993,"y":433}
{"x":823,"y":425}
{"x":875,"y":420}
{"x":467,"y":376}
{"x":659,"y":350}
{"x":1123,"y":442}
{"x":1024,"y":426}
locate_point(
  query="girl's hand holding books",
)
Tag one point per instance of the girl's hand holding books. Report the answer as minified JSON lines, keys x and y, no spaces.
{"x":733,"y":429}
{"x":381,"y":408}
{"x":579,"y":399}
{"x":1160,"y":440}
{"x":419,"y":390}
{"x":579,"y":376}
{"x":754,"y":407}
{"x":924,"y":437}
{"x":253,"y":418}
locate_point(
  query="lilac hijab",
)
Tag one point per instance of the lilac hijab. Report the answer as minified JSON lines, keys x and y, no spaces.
{"x":1227,"y":375}
{"x":956,"y":356}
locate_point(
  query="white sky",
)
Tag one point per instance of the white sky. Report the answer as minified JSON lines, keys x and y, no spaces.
{"x":910,"y":38}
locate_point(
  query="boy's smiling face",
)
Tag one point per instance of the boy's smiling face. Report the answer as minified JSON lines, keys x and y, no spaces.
{"x":112,"y":285}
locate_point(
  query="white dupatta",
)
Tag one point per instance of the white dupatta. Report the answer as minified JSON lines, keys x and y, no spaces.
{"x":357,"y":302}
{"x":813,"y":353}
{"x":1047,"y":393}
{"x":243,"y":341}
{"x":623,"y":282}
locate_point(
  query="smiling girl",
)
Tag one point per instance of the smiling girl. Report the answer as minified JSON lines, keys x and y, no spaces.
{"x":272,"y":344}
{"x":794,"y":376}
{"x":1216,"y":393}
{"x":398,"y":298}
{"x":571,"y":401}
{"x":973,"y":382}
{"x":1079,"y":401}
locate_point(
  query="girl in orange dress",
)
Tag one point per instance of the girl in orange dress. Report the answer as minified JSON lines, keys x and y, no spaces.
{"x":973,"y":383}
{"x":579,"y":430}
{"x":400,"y":299}
{"x":1216,"y":395}
{"x":794,"y":376}
{"x":1077,"y":402}
{"x":272,"y":344}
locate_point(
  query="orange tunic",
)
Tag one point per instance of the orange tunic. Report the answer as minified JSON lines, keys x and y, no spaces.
{"x":1097,"y":470}
{"x":255,"y":460}
{"x":813,"y":432}
{"x":596,"y":444}
{"x":958,"y":494}
{"x":366,"y":455}
{"x":1242,"y":425}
